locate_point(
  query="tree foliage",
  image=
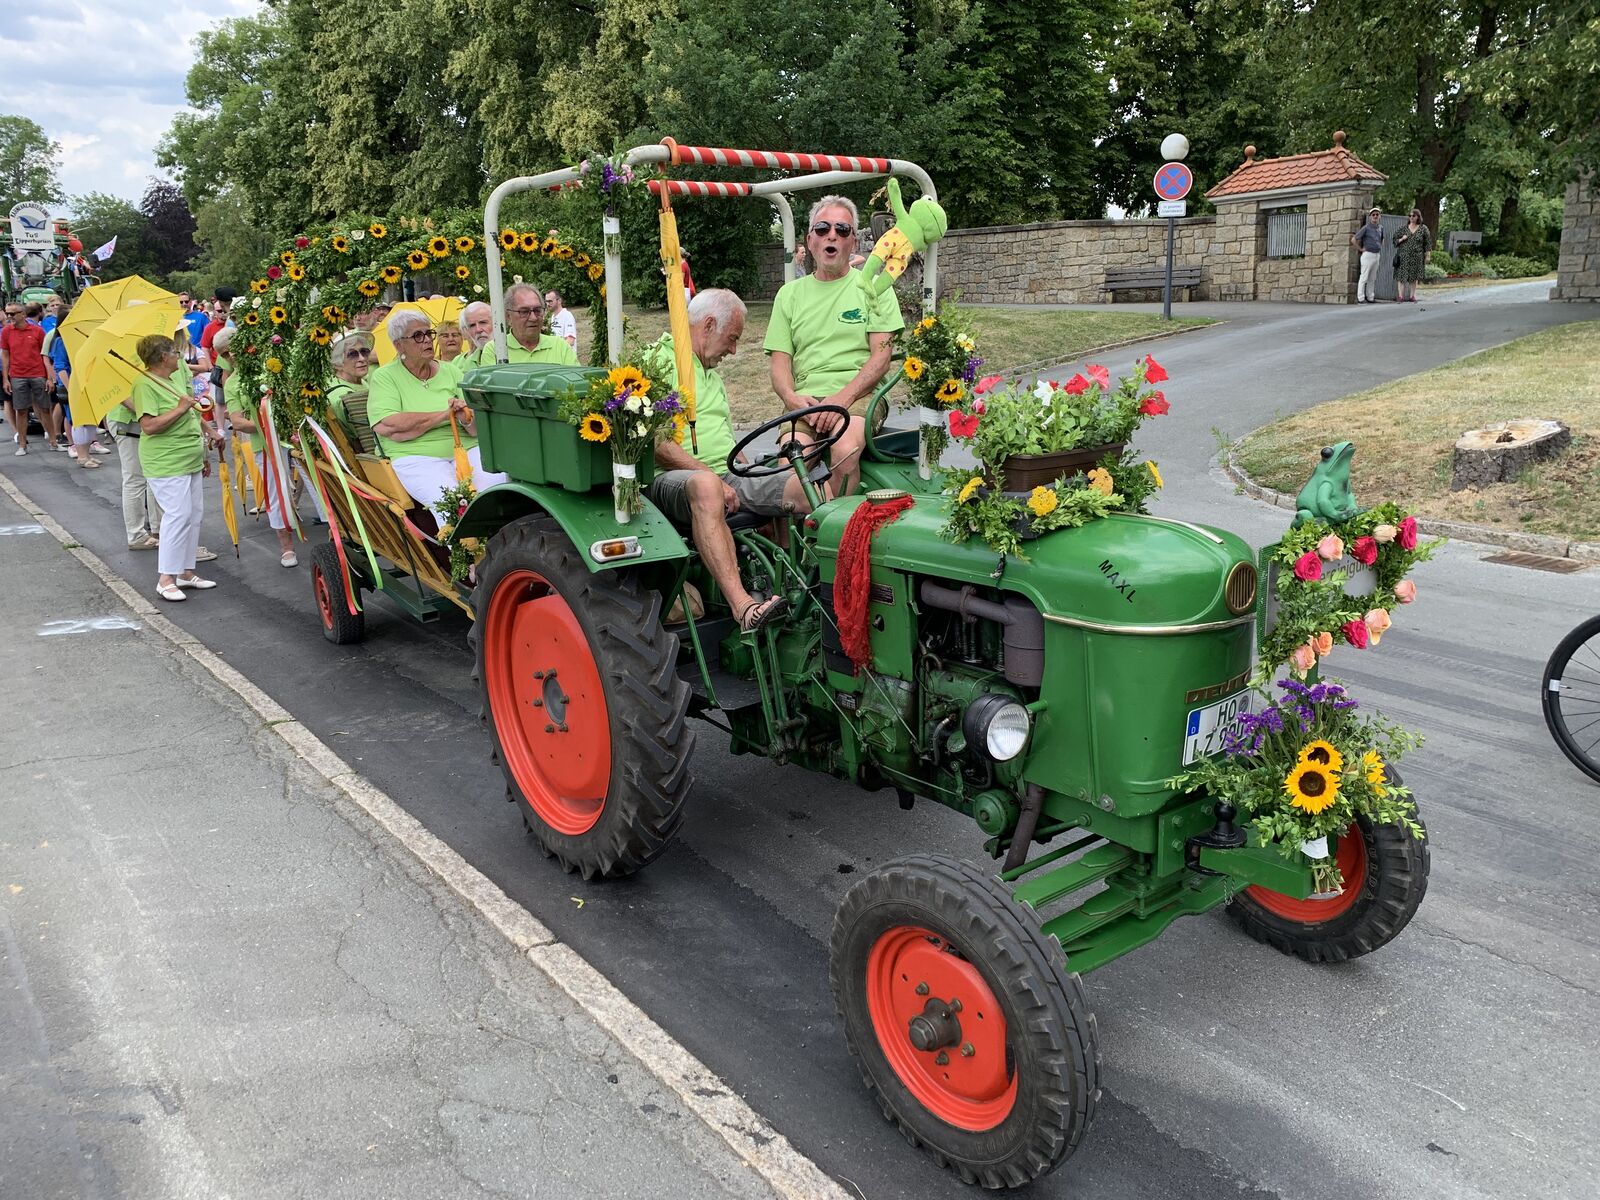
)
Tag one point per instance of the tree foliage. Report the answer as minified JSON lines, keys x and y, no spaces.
{"x":28,"y":163}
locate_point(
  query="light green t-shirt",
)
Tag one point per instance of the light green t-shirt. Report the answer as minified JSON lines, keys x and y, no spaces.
{"x":713,"y":423}
{"x":550,"y":349}
{"x":231,"y":400}
{"x":823,"y":327}
{"x":393,"y":389}
{"x":177,"y":450}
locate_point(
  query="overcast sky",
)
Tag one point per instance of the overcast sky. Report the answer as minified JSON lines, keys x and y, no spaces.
{"x":104,"y":79}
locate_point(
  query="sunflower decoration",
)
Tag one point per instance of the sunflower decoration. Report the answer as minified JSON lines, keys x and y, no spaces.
{"x":595,"y":273}
{"x":628,"y":379}
{"x":548,"y":246}
{"x":969,"y":489}
{"x":259,"y":286}
{"x":378,"y":230}
{"x":1324,"y":754}
{"x":581,"y":261}
{"x":529,"y":243}
{"x":463,"y":272}
{"x":296,"y":272}
{"x":278,"y":313}
{"x":595,"y":428}
{"x":950,"y":392}
{"x":252,"y":318}
{"x":340,"y":243}
{"x":465,"y":245}
{"x":1311,"y":787}
{"x":417,"y":260}
{"x":439,"y":247}
{"x":923,"y":326}
{"x":509,"y":239}
{"x":680,"y":427}
{"x":310,"y":391}
{"x":368,"y":288}
{"x":1376,"y":770}
{"x":914,"y":367}
{"x":390,"y":274}
{"x":565,"y":252}
{"x":333,"y":314}
{"x":286,"y":257}
{"x":318,"y":336}
{"x":274,"y":364}
{"x":1042,"y":501}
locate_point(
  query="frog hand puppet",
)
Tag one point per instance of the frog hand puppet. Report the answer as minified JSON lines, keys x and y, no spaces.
{"x":914,"y":230}
{"x":1327,"y":495}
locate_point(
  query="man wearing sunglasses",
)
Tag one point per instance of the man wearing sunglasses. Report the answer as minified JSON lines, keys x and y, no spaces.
{"x":525,"y":325}
{"x":830,"y":342}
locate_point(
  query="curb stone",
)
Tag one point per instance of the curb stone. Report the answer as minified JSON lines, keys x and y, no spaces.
{"x":1456,"y":531}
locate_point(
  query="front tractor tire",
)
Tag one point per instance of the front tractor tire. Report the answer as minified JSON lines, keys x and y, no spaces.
{"x":969,"y":1031}
{"x":1385,"y":873}
{"x":581,"y":697}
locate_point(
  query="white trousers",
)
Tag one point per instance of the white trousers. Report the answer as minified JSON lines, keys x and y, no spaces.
{"x":1367,"y":286}
{"x":427,"y":478}
{"x":184,"y":503}
{"x":274,"y":502}
{"x":135,"y":494}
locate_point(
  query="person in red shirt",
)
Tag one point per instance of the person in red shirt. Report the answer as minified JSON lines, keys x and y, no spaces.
{"x":221,"y":301}
{"x":25,"y":377}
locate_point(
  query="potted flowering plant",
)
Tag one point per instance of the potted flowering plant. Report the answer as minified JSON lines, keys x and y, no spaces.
{"x":1305,"y":768}
{"x":1052,"y":456}
{"x":628,"y":410}
{"x":1337,"y":583}
{"x":941,"y":368}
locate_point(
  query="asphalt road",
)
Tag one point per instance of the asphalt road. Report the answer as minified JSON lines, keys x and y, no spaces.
{"x":1458,"y":1062}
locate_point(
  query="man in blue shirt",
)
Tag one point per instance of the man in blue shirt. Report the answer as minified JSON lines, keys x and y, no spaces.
{"x":194,"y":317}
{"x":1369,"y":240}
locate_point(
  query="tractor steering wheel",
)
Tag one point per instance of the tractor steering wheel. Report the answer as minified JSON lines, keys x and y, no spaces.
{"x":793,"y":449}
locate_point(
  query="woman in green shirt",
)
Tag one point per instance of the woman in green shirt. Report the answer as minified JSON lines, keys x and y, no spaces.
{"x":172,"y":453}
{"x":409,"y":402}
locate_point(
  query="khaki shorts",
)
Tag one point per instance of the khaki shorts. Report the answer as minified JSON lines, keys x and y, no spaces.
{"x":669,"y":492}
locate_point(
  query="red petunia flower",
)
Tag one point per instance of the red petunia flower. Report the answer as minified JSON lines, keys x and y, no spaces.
{"x":1364,"y":550}
{"x":1101,"y":376}
{"x":1076,"y":386}
{"x":1308,"y":567}
{"x":274,"y":272}
{"x":1406,"y":536}
{"x":1154,"y":372}
{"x":1155,"y":405}
{"x":962,"y":425}
{"x":984,"y":384}
{"x":300,"y":243}
{"x":1355,"y":632}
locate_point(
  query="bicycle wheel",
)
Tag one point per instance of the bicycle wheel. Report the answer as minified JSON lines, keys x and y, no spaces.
{"x":1571,"y":697}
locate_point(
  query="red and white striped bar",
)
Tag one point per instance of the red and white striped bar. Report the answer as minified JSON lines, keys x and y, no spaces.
{"x":782,"y":160}
{"x":699,"y":187}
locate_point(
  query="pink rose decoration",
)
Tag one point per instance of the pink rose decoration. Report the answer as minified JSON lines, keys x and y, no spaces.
{"x":1331,"y":547}
{"x":1308,"y":568}
{"x":1364,"y":550}
{"x":1075,"y":386}
{"x":1322,"y":643}
{"x":1405,"y":591}
{"x":300,"y":243}
{"x":1377,"y":622}
{"x":1303,"y":658}
{"x":277,"y":340}
{"x":985,"y":384}
{"x":1100,"y":375}
{"x":1384,"y":534}
{"x":274,"y":272}
{"x":1406,"y":536}
{"x":1355,"y":632}
{"x":979,"y":407}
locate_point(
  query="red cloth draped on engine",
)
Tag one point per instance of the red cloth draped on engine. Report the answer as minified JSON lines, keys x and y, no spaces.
{"x":853,"y":577}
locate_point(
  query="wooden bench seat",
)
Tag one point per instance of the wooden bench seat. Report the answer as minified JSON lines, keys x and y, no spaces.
{"x":1127,"y":279}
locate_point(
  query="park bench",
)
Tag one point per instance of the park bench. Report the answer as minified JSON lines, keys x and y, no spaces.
{"x":1125,"y":279}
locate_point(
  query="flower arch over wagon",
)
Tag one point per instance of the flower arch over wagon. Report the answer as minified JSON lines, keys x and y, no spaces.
{"x":316,"y":282}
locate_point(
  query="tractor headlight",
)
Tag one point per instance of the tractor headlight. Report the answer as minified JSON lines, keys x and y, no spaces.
{"x":996,"y":726}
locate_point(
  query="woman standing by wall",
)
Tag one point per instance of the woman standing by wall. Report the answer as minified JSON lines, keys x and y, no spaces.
{"x":1411,"y":248}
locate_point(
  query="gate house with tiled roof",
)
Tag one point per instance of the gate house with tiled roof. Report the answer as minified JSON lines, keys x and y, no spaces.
{"x":1283,"y":226}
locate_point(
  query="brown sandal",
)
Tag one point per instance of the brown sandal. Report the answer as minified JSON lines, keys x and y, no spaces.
{"x":758,"y":614}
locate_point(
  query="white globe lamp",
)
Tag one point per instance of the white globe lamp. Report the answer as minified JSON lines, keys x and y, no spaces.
{"x":1174,"y":147}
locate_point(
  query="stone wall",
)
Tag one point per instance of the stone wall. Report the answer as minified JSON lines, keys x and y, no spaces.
{"x":1578,"y":272}
{"x":1327,"y":273}
{"x":769,"y":272}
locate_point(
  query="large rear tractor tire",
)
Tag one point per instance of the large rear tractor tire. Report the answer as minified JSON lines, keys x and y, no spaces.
{"x":1385,"y":873}
{"x":339,"y":625}
{"x":581,"y":697}
{"x":970,"y":1032}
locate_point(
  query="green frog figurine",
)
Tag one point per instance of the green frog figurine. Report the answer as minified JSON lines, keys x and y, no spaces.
{"x":1327,"y":495}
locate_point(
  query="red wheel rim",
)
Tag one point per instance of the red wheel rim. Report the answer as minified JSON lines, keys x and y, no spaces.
{"x":975,"y":1088}
{"x":319,"y":584}
{"x":1351,"y":858}
{"x":547,"y":703}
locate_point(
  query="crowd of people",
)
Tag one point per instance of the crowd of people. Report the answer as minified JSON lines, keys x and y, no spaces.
{"x":828,"y":344}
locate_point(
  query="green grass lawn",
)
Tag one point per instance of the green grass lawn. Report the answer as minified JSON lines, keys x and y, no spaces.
{"x":1007,"y":337}
{"x":1405,"y":431}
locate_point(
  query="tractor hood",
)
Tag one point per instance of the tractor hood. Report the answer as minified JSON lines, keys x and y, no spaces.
{"x":1119,"y":571}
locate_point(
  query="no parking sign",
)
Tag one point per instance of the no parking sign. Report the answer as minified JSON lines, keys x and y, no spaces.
{"x":1173,"y":181}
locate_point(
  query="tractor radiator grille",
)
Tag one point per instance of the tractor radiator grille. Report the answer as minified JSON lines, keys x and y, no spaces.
{"x":1240,"y":592}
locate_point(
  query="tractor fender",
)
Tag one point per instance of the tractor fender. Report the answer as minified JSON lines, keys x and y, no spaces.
{"x":585,"y":517}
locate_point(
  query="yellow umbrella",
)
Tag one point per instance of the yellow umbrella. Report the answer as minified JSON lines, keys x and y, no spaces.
{"x":108,"y":366}
{"x":442,"y":310}
{"x":95,"y":304}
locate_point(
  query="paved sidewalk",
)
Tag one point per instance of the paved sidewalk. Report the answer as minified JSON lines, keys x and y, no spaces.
{"x":219,"y":978}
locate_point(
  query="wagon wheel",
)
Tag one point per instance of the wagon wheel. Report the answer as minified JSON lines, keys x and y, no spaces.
{"x":969,"y":1030}
{"x":1571,"y":696}
{"x":581,"y":696}
{"x":1385,"y":872}
{"x":339,"y":625}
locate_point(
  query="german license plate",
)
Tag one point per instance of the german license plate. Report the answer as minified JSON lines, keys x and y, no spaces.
{"x":1206,"y":727}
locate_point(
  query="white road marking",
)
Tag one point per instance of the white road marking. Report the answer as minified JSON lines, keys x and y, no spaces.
{"x":86,"y":625}
{"x":19,"y":530}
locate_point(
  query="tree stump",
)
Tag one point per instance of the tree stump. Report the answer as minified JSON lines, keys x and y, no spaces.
{"x":1500,"y":452}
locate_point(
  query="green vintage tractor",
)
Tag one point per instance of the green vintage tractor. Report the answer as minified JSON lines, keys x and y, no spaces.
{"x":1051,"y":700}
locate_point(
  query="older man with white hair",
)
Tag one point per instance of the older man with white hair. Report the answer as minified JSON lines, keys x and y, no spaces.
{"x":526,"y":343}
{"x":694,"y":486}
{"x":830,"y":341}
{"x":477,"y":325}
